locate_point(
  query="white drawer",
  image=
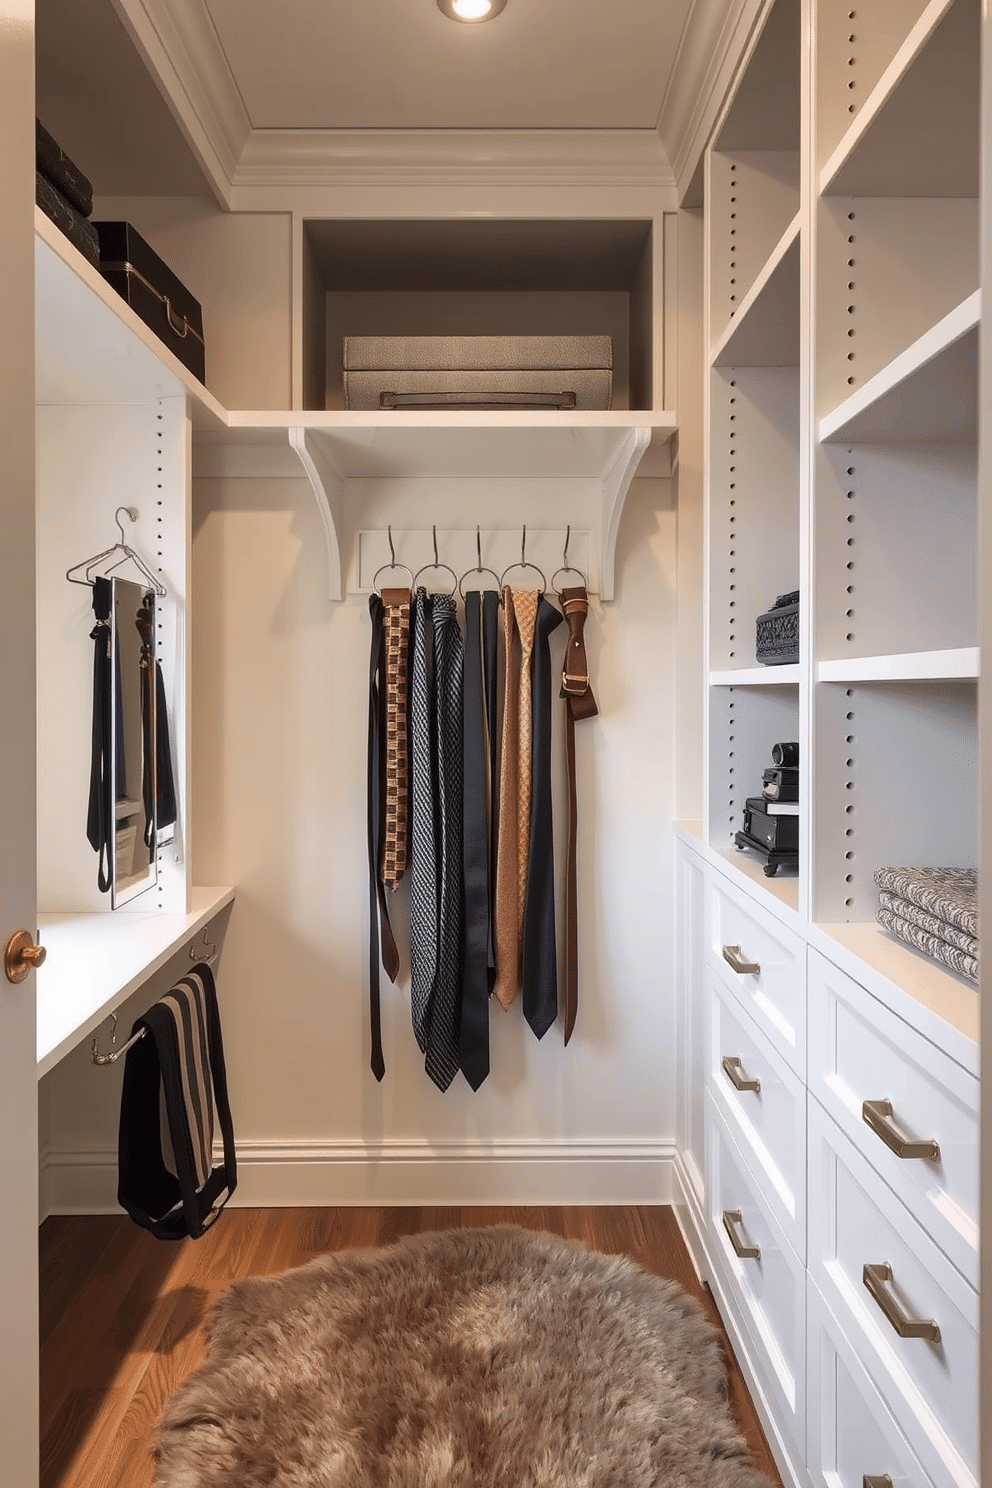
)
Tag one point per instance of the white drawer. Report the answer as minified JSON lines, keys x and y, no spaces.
{"x":767,"y":1290}
{"x":768,"y":1122}
{"x":850,"y":1436}
{"x":859,"y":1051}
{"x":763,"y":963}
{"x":930,"y":1385}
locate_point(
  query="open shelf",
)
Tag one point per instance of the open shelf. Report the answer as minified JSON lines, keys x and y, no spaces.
{"x":759,"y":676}
{"x":764,"y":330}
{"x":929,"y":393}
{"x":917,"y":132}
{"x":91,"y":348}
{"x":957,"y":665}
{"x":95,"y":962}
{"x":783,"y":888}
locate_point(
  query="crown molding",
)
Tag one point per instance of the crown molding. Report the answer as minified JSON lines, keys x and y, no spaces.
{"x":588,"y":157}
{"x":715,"y":39}
{"x":183,"y":53}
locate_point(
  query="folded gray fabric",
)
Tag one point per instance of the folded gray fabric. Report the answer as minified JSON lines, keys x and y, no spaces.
{"x":907,"y":910}
{"x":81,"y":234}
{"x":930,"y":945}
{"x":63,"y":173}
{"x":951,"y":894}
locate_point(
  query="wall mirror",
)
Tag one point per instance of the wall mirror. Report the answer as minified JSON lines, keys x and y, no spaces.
{"x":133,"y":859}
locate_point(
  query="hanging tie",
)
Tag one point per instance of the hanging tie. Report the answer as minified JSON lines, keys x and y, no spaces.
{"x":423,"y":845}
{"x":397,"y":630}
{"x":490,"y":628}
{"x":507,"y":932}
{"x":579,"y":703}
{"x":479,"y":713}
{"x":540,"y":960}
{"x":99,"y":818}
{"x":525,"y":614}
{"x":444,"y":1019}
{"x":380,"y":930}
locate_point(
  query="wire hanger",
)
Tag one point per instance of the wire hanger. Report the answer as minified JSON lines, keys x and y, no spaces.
{"x":125,"y":552}
{"x":437,"y":564}
{"x":392,"y":561}
{"x":566,"y":567}
{"x":523,"y":563}
{"x":479,"y":568}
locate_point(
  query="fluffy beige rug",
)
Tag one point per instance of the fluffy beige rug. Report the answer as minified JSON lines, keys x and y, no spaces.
{"x":495,"y":1358}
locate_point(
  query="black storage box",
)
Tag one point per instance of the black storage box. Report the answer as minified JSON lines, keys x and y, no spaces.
{"x":154,"y":293}
{"x":777,"y":640}
{"x":780,"y":783}
{"x":778,"y":832}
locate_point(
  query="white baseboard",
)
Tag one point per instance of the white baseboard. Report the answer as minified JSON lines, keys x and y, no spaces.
{"x":287,"y":1174}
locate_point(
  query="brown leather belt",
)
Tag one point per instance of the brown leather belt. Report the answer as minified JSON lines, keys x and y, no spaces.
{"x":579,"y":703}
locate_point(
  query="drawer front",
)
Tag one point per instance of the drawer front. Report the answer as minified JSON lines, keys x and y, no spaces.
{"x":763,"y":964}
{"x":768,"y":1290}
{"x":768,"y":1122}
{"x":929,"y":1384}
{"x":859,"y":1051}
{"x":850,"y":1434}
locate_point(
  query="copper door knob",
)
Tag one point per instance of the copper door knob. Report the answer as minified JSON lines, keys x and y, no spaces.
{"x":21,"y":955}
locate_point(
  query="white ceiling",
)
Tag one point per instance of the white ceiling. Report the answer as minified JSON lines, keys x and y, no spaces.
{"x":402,"y":64}
{"x":173,"y":97}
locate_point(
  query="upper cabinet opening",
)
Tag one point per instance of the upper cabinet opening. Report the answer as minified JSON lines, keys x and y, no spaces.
{"x":466,"y":277}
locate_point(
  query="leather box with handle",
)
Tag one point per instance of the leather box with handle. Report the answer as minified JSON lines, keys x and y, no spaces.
{"x":153,"y":291}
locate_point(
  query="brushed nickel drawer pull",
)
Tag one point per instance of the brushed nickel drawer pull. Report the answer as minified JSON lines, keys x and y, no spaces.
{"x":875,"y":1279}
{"x":878,"y":1115}
{"x":735,"y":1074}
{"x":731,"y":1219}
{"x":881,"y":1481}
{"x":735,"y":960}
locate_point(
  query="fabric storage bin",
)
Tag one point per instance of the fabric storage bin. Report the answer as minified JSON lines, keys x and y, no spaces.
{"x":478,"y":372}
{"x":153,"y":291}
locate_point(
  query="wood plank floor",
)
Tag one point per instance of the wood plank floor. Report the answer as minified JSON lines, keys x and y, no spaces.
{"x":121,"y":1312}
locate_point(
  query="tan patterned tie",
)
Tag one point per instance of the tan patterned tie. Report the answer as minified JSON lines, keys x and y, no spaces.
{"x":396,"y":603}
{"x":507,"y":929}
{"x":525,"y":614}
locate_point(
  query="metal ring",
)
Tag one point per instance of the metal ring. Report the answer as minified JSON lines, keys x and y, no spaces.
{"x":480,"y":569}
{"x":382,"y":569}
{"x":451,"y":571}
{"x":527,"y":564}
{"x":566,"y":568}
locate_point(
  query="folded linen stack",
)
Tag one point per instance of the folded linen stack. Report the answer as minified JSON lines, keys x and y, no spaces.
{"x":935,"y":910}
{"x":64,"y":194}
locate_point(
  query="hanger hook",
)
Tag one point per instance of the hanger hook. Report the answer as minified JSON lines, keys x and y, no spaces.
{"x":434,"y":536}
{"x":564,"y":558}
{"x":523,"y":546}
{"x":478,"y":549}
{"x":392,"y":550}
{"x":131,"y":512}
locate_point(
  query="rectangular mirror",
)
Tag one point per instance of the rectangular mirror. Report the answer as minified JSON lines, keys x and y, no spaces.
{"x":134,"y":862}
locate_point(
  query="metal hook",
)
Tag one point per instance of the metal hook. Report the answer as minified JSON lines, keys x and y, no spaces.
{"x":437,"y":564}
{"x":478,"y":549}
{"x":392,"y":560}
{"x":523,"y":562}
{"x":566,"y":567}
{"x":132,"y":513}
{"x":392,"y":550}
{"x":208,"y":946}
{"x":434,"y":536}
{"x":479,"y":567}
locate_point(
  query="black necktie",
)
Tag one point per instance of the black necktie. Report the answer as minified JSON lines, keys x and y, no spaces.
{"x":479,"y":709}
{"x":99,"y":820}
{"x":490,"y":631}
{"x":423,"y":847}
{"x":540,"y":963}
{"x":441,"y":1062}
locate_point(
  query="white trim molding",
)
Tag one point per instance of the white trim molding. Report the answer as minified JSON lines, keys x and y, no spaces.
{"x":273,"y":1174}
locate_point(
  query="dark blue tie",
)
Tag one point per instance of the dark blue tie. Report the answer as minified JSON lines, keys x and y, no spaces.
{"x":540,"y":959}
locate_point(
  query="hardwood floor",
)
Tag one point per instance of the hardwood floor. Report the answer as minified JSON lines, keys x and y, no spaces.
{"x":121,"y":1312}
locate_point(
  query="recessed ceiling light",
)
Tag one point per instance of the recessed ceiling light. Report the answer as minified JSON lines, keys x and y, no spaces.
{"x":471,"y":10}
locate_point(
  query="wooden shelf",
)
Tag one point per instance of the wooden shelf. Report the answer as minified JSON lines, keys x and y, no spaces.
{"x":764,"y":331}
{"x":927,"y":394}
{"x":770,"y":676}
{"x":90,"y":345}
{"x":918,"y":133}
{"x":957,"y":665}
{"x":95,"y":962}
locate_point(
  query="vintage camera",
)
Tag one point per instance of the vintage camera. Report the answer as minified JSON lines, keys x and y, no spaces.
{"x":771,"y":820}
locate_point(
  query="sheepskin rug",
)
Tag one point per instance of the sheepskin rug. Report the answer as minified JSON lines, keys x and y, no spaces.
{"x":494,"y":1358}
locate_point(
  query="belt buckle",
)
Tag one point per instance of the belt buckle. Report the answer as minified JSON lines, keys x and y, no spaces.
{"x":574,"y":684}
